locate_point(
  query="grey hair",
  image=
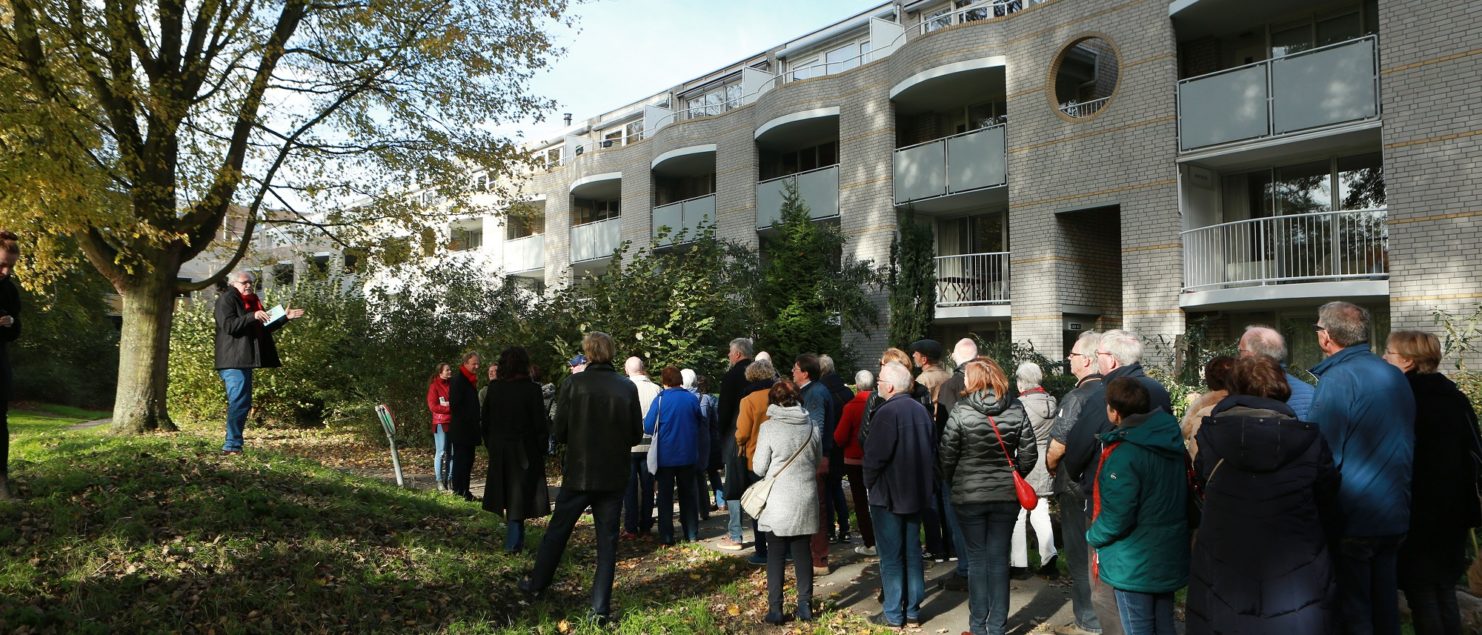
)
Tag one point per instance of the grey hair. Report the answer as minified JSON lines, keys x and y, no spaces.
{"x":243,"y":274}
{"x":1086,"y":346}
{"x":896,"y":375}
{"x":760,"y":370}
{"x":1345,"y":322}
{"x":1123,"y":345}
{"x":864,"y":380}
{"x":1264,"y":340}
{"x":742,"y":345}
{"x":1029,"y":375}
{"x":825,"y":365}
{"x":965,"y":350}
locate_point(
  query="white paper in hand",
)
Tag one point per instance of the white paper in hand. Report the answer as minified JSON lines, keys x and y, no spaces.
{"x":277,"y":316}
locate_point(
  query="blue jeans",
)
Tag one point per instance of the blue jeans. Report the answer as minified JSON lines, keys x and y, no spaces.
{"x":238,"y":404}
{"x":514,"y":536}
{"x":898,"y":543}
{"x":987,"y":529}
{"x":1368,"y":584}
{"x":638,"y":513}
{"x":442,"y":459}
{"x":668,"y":479}
{"x":733,"y":523}
{"x":959,"y":545}
{"x":1146,"y":613}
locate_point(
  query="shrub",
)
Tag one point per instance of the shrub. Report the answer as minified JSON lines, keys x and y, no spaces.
{"x":68,"y":349}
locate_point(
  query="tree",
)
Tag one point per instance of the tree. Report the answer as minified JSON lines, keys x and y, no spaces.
{"x":137,"y":128}
{"x":809,"y":292}
{"x":912,"y":280}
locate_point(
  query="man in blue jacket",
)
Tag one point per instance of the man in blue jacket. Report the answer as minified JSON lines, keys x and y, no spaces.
{"x":1366,"y":412}
{"x":819,"y":404}
{"x":1263,"y":340}
{"x":898,"y":472}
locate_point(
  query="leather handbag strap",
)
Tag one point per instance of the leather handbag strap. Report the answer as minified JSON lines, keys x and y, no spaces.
{"x":794,"y":457}
{"x":1001,"y":445}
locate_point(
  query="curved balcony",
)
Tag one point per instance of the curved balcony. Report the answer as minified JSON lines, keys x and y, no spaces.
{"x":525,"y":254}
{"x":960,"y":163}
{"x":685,"y":220}
{"x":595,"y":240}
{"x":1287,"y":257}
{"x":818,"y":189}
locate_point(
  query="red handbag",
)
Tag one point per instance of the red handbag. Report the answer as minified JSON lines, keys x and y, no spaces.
{"x":1028,"y":499}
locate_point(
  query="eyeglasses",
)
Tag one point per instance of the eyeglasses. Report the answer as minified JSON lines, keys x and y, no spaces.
{"x":1074,"y":355}
{"x":1106,"y":353}
{"x":1318,"y":327}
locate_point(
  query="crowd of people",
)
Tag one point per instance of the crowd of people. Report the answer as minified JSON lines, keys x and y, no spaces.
{"x":1283,"y":507}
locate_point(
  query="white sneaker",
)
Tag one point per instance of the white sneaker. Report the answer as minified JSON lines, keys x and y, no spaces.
{"x":865,"y":551}
{"x":1074,"y":629}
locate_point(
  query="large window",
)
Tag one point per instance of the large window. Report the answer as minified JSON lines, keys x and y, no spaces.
{"x":1352,"y":182}
{"x":794,"y":161}
{"x":524,"y":219}
{"x":714,"y":100}
{"x":590,"y":211}
{"x":466,"y":238}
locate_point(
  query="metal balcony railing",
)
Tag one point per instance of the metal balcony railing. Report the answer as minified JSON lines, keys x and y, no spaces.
{"x":973,"y":279}
{"x":688,"y":217}
{"x":968,"y":161}
{"x":974,"y":12}
{"x":1325,"y":86}
{"x":1083,"y":108}
{"x":1317,"y":247}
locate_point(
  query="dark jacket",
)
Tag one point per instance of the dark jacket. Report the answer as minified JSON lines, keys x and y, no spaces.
{"x":1261,"y":562}
{"x":466,"y":427}
{"x":599,"y":420}
{"x":1141,"y":526}
{"x":714,"y":456}
{"x":241,"y":340}
{"x":1366,"y":412}
{"x":1084,"y":445}
{"x":1444,"y":488}
{"x":839,"y":394}
{"x":919,"y":393}
{"x":515,"y":432}
{"x":947,"y":395}
{"x":971,"y":458}
{"x":1301,"y":399}
{"x":732,"y":386}
{"x":1068,"y":426}
{"x":897,"y":462}
{"x":10,"y":304}
{"x":675,"y":413}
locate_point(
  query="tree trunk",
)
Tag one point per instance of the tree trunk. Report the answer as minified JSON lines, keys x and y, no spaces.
{"x":144,"y":352}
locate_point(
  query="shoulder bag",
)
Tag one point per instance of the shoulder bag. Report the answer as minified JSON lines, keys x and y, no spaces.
{"x":754,"y":499}
{"x":653,"y":444}
{"x":1028,"y":499}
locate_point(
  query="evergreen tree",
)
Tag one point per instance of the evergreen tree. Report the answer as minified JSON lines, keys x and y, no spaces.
{"x":912,"y":280}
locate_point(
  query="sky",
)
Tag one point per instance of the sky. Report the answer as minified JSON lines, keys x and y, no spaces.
{"x":622,"y":51}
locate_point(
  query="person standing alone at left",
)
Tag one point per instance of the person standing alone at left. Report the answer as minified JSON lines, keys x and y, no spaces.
{"x":10,"y":329}
{"x":244,"y":342}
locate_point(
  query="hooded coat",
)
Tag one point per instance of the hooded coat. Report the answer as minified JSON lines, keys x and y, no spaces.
{"x":1140,"y":529}
{"x":971,"y":458}
{"x":1261,"y":562}
{"x":1039,"y":406}
{"x":792,"y":503}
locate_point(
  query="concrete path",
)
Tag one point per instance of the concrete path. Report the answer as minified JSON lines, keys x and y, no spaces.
{"x":89,"y":424}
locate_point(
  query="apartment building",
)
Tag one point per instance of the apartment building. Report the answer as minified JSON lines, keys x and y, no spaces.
{"x":1083,"y":164}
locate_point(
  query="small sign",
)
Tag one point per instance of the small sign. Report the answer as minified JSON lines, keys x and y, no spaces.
{"x":1074,"y":326}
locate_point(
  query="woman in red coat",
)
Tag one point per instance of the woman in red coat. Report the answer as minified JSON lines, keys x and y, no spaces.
{"x":442,"y":415}
{"x":846,"y":435}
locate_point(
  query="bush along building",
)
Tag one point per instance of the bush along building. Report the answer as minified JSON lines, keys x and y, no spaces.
{"x":1141,"y":164}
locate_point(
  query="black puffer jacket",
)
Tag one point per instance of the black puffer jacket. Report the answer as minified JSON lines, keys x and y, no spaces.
{"x":598,"y":418}
{"x":971,"y":458}
{"x":1443,"y":502}
{"x":1261,"y":562}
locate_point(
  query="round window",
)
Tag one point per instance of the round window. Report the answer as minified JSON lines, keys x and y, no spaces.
{"x":1084,"y":77}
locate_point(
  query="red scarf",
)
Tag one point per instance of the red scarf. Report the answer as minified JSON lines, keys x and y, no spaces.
{"x":1031,"y":390}
{"x":251,"y":302}
{"x":472,"y":378}
{"x":1096,"y":505}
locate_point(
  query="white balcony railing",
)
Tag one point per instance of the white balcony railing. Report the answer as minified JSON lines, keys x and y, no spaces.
{"x":595,"y":240}
{"x":689,"y":217}
{"x":1083,"y":108}
{"x":1333,"y":84}
{"x":1317,"y":247}
{"x":982,"y":10}
{"x":973,"y":279}
{"x":524,"y":254}
{"x":968,"y":161}
{"x":818,"y":189}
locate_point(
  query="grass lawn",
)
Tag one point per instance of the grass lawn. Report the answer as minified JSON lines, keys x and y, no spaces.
{"x":161,"y":533}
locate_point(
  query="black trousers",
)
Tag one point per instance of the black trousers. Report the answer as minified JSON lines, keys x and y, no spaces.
{"x":777,"y":549}
{"x":5,"y":377}
{"x":607,"y":507}
{"x":462,"y":467}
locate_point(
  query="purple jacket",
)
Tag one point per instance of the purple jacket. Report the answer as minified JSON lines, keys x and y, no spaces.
{"x":898,"y":466}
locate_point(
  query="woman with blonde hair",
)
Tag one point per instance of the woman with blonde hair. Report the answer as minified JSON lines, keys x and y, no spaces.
{"x":1443,"y":500}
{"x":987,"y":438}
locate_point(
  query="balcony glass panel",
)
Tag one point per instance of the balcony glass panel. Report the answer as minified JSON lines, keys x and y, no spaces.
{"x":1318,"y":247}
{"x":968,"y":161}
{"x":920,"y":172}
{"x":818,"y":189}
{"x":524,"y":254}
{"x":690,"y":216}
{"x":1228,"y":106}
{"x":594,"y":240}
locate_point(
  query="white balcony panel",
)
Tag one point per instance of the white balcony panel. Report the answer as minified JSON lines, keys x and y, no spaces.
{"x":1323,"y":87}
{"x":818,"y":189}
{"x":1225,"y":107}
{"x":971,"y":279}
{"x":690,"y":217}
{"x":920,"y":172}
{"x":975,"y":160}
{"x":1301,"y":248}
{"x":524,"y":254}
{"x":595,"y":240}
{"x":669,"y":216}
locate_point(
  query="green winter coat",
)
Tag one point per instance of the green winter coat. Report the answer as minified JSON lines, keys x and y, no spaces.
{"x":1141,"y":532}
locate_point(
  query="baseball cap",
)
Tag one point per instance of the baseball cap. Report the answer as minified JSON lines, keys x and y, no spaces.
{"x":577,"y":361}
